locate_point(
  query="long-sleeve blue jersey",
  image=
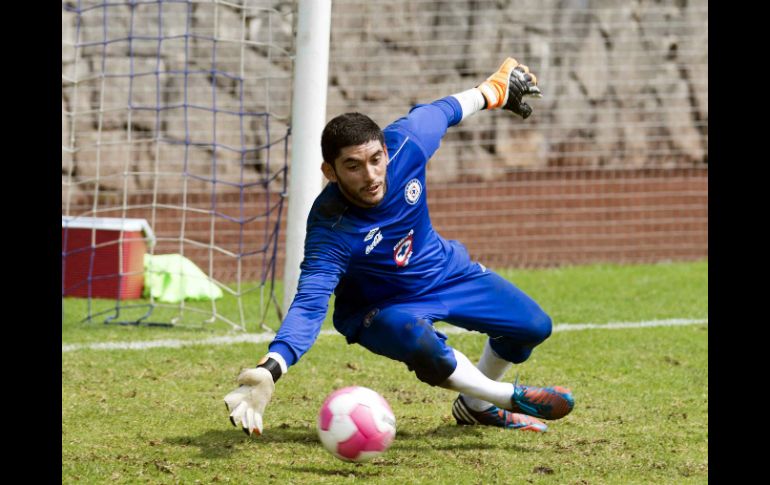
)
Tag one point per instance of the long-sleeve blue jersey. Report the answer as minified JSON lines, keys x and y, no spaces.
{"x":370,"y":255}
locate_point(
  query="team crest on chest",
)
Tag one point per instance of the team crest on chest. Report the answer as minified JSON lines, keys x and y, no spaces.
{"x":403,"y":250}
{"x":413,"y":191}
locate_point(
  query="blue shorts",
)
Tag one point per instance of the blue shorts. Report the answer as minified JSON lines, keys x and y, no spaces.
{"x":481,"y":300}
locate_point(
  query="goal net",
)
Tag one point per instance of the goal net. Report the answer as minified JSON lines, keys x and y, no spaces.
{"x":175,"y":112}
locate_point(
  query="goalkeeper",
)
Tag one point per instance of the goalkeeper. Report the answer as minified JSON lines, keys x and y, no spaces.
{"x":370,"y":241}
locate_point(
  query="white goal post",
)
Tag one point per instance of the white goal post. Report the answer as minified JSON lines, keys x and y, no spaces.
{"x":308,"y":115}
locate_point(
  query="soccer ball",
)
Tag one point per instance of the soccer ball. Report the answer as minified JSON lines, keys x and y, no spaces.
{"x":356,"y":424}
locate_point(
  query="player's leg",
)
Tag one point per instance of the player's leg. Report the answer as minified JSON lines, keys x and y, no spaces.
{"x":488,"y":303}
{"x":470,"y":382}
{"x":516,"y":324}
{"x":492,"y":366}
{"x":406,"y":333}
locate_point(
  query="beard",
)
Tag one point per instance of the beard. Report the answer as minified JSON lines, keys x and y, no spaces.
{"x":361,"y":196}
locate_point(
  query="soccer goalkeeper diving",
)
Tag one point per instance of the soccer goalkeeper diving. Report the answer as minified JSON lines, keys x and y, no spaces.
{"x":370,"y":241}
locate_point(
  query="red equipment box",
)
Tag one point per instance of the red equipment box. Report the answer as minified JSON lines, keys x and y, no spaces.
{"x":103,"y":257}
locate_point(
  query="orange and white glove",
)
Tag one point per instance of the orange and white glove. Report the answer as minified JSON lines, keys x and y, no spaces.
{"x":506,"y":88}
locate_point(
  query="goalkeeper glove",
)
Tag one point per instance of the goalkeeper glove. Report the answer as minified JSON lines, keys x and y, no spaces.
{"x":247,"y":403}
{"x":505,"y":88}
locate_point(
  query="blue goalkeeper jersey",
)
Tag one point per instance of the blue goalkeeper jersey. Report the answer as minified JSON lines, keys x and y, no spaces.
{"x":368,"y":256}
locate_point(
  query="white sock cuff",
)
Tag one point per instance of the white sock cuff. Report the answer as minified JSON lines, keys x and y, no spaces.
{"x":472,"y":383}
{"x":471,"y":101}
{"x":491,"y":364}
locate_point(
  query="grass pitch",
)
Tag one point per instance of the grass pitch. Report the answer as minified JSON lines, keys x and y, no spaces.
{"x":641,"y":415}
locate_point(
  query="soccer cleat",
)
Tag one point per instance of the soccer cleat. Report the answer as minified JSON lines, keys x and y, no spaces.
{"x":542,"y":402}
{"x":494,"y":416}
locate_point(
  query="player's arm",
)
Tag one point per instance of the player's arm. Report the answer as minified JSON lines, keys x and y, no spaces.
{"x":324,"y":263}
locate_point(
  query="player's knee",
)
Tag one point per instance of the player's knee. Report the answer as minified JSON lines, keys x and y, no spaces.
{"x":428,"y":355}
{"x":511,"y":350}
{"x":541,"y":327}
{"x":518,"y":349}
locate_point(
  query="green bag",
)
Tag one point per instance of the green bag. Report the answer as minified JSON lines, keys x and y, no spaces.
{"x":171,"y":278}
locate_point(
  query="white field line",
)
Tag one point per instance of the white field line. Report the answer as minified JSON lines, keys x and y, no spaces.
{"x":267,"y":337}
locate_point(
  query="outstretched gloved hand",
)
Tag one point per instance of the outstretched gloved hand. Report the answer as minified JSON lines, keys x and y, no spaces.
{"x":506,"y":88}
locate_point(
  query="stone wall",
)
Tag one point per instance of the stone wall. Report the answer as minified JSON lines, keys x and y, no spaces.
{"x":625,"y":83}
{"x":161,"y":99}
{"x":154,"y":91}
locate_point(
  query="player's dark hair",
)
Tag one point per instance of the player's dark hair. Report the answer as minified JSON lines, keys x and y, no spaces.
{"x":349,"y":129}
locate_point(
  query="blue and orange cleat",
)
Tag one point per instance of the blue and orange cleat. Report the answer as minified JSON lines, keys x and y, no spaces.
{"x":542,"y":402}
{"x":494,"y":416}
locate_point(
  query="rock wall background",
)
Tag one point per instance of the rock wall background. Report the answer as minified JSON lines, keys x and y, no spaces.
{"x":151,"y":91}
{"x":171,"y":98}
{"x":625,"y":83}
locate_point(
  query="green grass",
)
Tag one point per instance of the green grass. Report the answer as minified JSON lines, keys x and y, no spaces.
{"x":641,"y":415}
{"x":194,"y":316}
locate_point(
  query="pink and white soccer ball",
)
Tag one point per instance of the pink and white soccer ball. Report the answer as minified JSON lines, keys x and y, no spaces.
{"x":356,"y":424}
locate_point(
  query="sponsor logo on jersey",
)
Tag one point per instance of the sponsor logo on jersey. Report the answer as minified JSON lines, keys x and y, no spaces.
{"x":374,"y":243}
{"x":402,"y":251}
{"x":371,"y":234}
{"x":413,"y":191}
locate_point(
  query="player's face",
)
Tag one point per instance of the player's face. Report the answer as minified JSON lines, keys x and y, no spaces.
{"x":359,"y":171}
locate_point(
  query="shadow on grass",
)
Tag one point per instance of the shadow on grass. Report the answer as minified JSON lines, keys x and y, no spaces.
{"x":223,"y":443}
{"x":445,"y":437}
{"x":349,"y":471}
{"x":442,"y":431}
